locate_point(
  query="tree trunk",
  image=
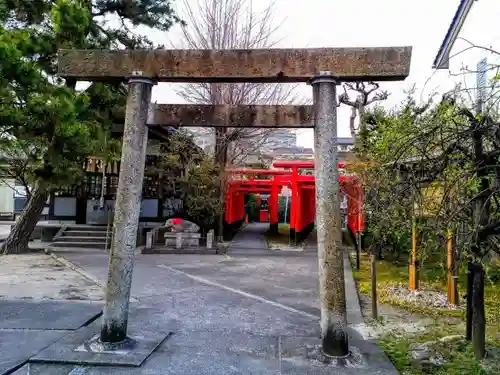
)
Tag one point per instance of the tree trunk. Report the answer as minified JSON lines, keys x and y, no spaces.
{"x":482,"y":206}
{"x":17,"y":241}
{"x":373,"y":265}
{"x":478,"y":315}
{"x":468,"y":317}
{"x":221,"y":159}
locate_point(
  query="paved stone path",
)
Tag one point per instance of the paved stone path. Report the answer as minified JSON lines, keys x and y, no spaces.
{"x":251,"y":238}
{"x":236,"y":314}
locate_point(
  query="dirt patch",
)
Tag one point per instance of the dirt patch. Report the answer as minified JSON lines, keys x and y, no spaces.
{"x":40,"y":277}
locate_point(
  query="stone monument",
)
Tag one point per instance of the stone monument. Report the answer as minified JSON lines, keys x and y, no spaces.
{"x":181,"y":233}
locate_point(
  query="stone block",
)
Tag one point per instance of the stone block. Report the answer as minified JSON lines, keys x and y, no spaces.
{"x":258,"y":65}
{"x":83,"y":348}
{"x":210,"y":239}
{"x":149,"y":240}
{"x":182,"y":239}
{"x":262,"y":116}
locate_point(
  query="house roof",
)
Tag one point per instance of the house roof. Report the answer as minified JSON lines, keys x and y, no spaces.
{"x":441,"y":60}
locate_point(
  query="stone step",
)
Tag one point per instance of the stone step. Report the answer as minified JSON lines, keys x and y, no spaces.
{"x":87,"y":245}
{"x":70,"y":238}
{"x":87,"y":228}
{"x":81,"y":233}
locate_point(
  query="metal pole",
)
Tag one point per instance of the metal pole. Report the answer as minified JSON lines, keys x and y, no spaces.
{"x":330,"y":251}
{"x":127,"y":206}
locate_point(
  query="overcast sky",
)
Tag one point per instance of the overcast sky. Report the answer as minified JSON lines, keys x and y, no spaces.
{"x":369,"y":23}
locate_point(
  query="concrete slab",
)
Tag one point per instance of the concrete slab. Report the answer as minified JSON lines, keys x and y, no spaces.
{"x":241,"y":322}
{"x":303,"y":355}
{"x":76,"y":348}
{"x":195,"y":352}
{"x":40,"y":277}
{"x":17,"y":346}
{"x":48,"y":315}
{"x":216,"y":310}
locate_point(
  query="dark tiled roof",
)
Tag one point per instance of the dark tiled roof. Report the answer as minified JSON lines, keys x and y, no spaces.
{"x":458,"y":18}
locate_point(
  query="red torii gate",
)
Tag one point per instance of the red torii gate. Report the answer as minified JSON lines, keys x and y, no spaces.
{"x":303,"y":198}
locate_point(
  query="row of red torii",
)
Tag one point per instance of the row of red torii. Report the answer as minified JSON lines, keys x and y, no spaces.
{"x":303,"y":198}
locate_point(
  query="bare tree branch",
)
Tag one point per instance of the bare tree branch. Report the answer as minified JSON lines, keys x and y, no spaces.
{"x":232,"y":24}
{"x":363,"y":97}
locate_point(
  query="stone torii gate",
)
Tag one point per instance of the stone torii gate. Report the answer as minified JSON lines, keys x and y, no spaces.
{"x":323,"y":68}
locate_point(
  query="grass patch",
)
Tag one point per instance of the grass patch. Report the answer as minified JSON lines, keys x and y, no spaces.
{"x":389,"y":274}
{"x":457,"y":357}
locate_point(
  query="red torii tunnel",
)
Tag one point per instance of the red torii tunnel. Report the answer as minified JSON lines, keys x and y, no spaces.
{"x":303,"y":198}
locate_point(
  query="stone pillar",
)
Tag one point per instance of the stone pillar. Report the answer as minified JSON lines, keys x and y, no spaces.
{"x":315,"y":104}
{"x":210,"y":239}
{"x":149,"y":240}
{"x":328,"y":223}
{"x":127,"y":206}
{"x":178,"y":240}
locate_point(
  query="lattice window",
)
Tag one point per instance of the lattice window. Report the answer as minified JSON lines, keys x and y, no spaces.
{"x":93,"y":185}
{"x":112,"y":186}
{"x":66,"y":191}
{"x":150,"y":187}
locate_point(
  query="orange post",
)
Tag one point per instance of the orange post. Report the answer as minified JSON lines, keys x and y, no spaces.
{"x":413,"y":284}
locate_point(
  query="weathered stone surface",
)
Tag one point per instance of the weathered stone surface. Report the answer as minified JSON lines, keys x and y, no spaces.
{"x":260,"y":116}
{"x":126,"y":216}
{"x":210,"y":238}
{"x":17,"y":346}
{"x":82,"y":347}
{"x":39,"y":315}
{"x":182,"y":226}
{"x":328,"y":224}
{"x":261,"y":65}
{"x":179,"y":240}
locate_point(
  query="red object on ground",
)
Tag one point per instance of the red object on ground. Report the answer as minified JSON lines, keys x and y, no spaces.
{"x":176,"y":221}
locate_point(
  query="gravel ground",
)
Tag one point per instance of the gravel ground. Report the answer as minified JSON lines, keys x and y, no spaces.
{"x":423,"y":297}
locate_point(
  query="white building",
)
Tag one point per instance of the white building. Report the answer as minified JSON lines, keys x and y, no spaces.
{"x":280,"y":138}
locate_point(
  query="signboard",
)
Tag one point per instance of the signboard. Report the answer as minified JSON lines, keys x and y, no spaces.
{"x":481,"y":83}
